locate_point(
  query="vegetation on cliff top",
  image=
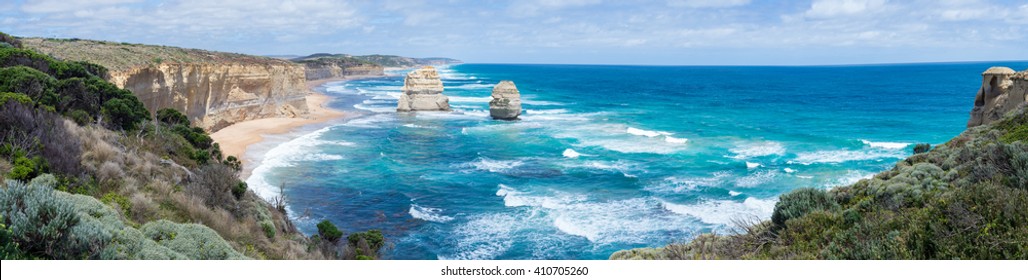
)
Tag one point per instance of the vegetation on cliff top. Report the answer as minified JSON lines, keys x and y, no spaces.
{"x":124,"y":56}
{"x":962,"y":200}
{"x":108,"y":182}
{"x":404,"y":62}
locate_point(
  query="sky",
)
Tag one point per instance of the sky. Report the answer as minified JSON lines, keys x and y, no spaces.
{"x":668,"y":32}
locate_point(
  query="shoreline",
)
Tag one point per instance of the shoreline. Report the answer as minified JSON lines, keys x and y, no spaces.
{"x":237,"y":139}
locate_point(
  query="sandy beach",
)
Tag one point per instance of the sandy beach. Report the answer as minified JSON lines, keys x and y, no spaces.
{"x":236,"y":138}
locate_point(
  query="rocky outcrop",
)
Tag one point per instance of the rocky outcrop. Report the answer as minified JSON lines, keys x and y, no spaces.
{"x":506,"y":103}
{"x":1002,"y":90}
{"x":214,"y":96}
{"x":214,"y":89}
{"x":423,"y":91}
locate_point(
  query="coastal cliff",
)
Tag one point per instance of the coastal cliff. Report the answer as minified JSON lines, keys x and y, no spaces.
{"x":960,"y":200}
{"x":330,"y":66}
{"x":1002,"y":90}
{"x":213,"y":89}
{"x":406,"y":62}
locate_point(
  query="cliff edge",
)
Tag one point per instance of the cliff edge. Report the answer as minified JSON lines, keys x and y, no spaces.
{"x":213,"y":89}
{"x":329,"y":66}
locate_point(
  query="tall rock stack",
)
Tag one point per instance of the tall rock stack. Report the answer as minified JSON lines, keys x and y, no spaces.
{"x":1002,"y":90}
{"x":506,"y":103}
{"x":423,"y":91}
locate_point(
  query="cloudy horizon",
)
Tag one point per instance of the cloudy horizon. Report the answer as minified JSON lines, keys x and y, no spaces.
{"x":673,"y":32}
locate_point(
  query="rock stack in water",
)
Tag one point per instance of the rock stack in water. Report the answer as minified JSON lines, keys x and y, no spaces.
{"x":423,"y":91}
{"x":1002,"y":90}
{"x":506,"y":103}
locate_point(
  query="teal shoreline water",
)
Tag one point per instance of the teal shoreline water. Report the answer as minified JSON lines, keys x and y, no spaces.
{"x":605,"y":157}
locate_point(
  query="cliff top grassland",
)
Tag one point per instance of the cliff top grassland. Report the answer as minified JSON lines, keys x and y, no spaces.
{"x":342,"y":60}
{"x":404,"y":62}
{"x":124,"y":56}
{"x":88,"y":174}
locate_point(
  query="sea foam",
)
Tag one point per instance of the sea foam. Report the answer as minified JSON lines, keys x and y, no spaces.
{"x":723,"y":212}
{"x":886,"y":145}
{"x":428,"y":214}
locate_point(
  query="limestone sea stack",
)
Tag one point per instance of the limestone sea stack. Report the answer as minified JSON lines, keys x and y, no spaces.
{"x":1002,"y":90}
{"x":506,"y":103}
{"x":423,"y":91}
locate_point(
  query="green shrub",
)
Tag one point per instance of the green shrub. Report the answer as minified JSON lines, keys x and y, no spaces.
{"x":28,"y":81}
{"x":799,"y":202}
{"x":192,"y":240}
{"x":46,"y":226}
{"x":115,"y":199}
{"x":239,"y":190}
{"x":366,"y":243}
{"x":922,"y":148}
{"x":269,"y":229}
{"x":328,"y":231}
{"x":80,"y":117}
{"x":172,"y":117}
{"x":233,"y":162}
{"x":8,"y":247}
{"x":16,"y":97}
{"x":124,"y":114}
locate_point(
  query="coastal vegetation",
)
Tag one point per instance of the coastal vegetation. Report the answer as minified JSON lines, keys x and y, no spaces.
{"x":961,"y":200}
{"x":89,"y":173}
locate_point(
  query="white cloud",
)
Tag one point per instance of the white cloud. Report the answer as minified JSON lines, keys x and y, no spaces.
{"x":536,"y":7}
{"x":707,"y":3}
{"x":57,"y":6}
{"x":835,"y":8}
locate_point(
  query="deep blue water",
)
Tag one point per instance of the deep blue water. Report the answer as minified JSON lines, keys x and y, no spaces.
{"x":663,"y":153}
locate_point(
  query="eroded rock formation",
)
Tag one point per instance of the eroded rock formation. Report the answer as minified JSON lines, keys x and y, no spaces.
{"x":214,"y":89}
{"x":506,"y":103}
{"x":1002,"y":90}
{"x":423,"y":91}
{"x":214,"y":96}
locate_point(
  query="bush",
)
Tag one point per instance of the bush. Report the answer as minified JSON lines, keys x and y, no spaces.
{"x":233,"y":162}
{"x":366,"y":244}
{"x":799,"y":202}
{"x":46,"y":226}
{"x":239,"y":190}
{"x":39,"y":133}
{"x":172,"y":117}
{"x":922,"y":148}
{"x":31,"y":82}
{"x":269,"y":229}
{"x":215,"y":184}
{"x":16,"y":97}
{"x":192,"y":240}
{"x":124,"y":114}
{"x":328,"y":231}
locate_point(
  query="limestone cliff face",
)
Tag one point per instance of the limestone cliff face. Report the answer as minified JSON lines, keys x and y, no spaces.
{"x":318,"y":72}
{"x":423,"y":91}
{"x":217,"y":95}
{"x":1002,"y":90}
{"x":506,"y":103}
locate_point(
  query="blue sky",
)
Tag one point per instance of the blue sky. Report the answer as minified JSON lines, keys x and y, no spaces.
{"x":670,"y":32}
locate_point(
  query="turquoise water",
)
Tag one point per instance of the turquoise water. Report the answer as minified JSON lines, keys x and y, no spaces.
{"x":605,"y":157}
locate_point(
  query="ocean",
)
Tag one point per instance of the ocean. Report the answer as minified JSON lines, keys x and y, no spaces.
{"x":604,"y":158}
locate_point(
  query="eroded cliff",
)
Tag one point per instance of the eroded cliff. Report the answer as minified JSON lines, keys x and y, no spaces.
{"x":214,"y":89}
{"x":1002,"y":91}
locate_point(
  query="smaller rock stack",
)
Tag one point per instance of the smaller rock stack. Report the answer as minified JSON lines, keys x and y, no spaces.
{"x":423,"y":91}
{"x":506,"y":103}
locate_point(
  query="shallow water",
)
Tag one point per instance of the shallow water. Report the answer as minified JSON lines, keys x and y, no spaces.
{"x":605,"y":157}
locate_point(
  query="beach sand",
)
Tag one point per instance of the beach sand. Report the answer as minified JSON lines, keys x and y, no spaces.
{"x":236,"y":138}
